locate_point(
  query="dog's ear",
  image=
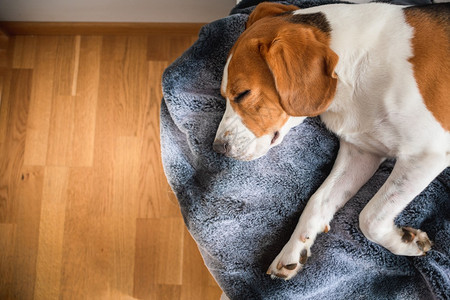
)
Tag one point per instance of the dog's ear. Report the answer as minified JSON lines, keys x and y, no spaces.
{"x":268,"y":9}
{"x":303,"y":70}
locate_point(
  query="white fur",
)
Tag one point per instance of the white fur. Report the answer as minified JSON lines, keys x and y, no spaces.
{"x":377,"y":112}
{"x":244,"y":145}
{"x":223,"y":86}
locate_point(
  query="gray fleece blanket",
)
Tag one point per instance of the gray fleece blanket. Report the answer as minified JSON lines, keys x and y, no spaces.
{"x":242,"y":213}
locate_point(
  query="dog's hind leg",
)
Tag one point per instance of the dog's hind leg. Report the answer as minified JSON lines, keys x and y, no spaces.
{"x":408,"y":178}
{"x":353,"y":167}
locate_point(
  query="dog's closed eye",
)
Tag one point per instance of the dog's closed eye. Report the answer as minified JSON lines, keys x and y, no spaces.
{"x":241,"y":96}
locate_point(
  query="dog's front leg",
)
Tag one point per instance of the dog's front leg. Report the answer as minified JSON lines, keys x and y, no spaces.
{"x":353,"y":167}
{"x":408,"y":178}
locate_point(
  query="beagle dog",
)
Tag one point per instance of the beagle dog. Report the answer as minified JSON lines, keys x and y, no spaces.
{"x":378,"y":75}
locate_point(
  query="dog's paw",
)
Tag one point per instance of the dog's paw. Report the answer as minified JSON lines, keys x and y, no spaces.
{"x":290,"y":260}
{"x":417,"y":240}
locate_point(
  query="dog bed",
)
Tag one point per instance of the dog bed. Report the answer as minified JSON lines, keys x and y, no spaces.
{"x":242,"y":213}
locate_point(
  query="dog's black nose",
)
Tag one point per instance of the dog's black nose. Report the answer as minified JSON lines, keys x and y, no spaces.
{"x":221,"y":147}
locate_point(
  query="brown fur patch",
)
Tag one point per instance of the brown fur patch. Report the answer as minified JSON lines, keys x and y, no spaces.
{"x":268,"y":9}
{"x":303,"y":67}
{"x":431,"y":63}
{"x":299,"y":82}
{"x":259,"y":110}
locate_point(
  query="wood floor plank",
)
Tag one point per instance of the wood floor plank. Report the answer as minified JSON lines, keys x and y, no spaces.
{"x":162,"y":292}
{"x":158,"y":254}
{"x":109,"y":88}
{"x":72,"y":119}
{"x":38,"y":125}
{"x":126,"y":82}
{"x":94,"y":252}
{"x":168,"y":48}
{"x":62,"y":119}
{"x":78,"y":233}
{"x":170,"y":260}
{"x":65,"y":67}
{"x":6,"y":211}
{"x":24,"y":52}
{"x":28,"y":197}
{"x":159,"y":201}
{"x":7,"y":259}
{"x":192,"y":275}
{"x":135,"y":76}
{"x":86,"y":93}
{"x":61,"y":130}
{"x":124,"y":210}
{"x":1,"y":87}
{"x":197,"y":282}
{"x":51,"y":233}
{"x":6,"y":78}
{"x":189,"y":292}
{"x":121,"y":96}
{"x":14,"y":113}
{"x":178,"y":45}
{"x":76,"y":64}
{"x":85,"y":209}
{"x":158,"y":48}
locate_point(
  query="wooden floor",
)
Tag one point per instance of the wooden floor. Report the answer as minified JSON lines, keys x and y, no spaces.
{"x":85,"y":209}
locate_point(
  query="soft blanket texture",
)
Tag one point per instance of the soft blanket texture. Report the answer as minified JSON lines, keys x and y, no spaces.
{"x":242,"y":213}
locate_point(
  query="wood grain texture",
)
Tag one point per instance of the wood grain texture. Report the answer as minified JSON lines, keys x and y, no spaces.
{"x":103,"y":28}
{"x":85,"y":209}
{"x":51,"y":233}
{"x":38,"y":122}
{"x":4,"y":61}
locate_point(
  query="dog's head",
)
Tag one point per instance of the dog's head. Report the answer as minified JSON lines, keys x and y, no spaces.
{"x":279,"y":72}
